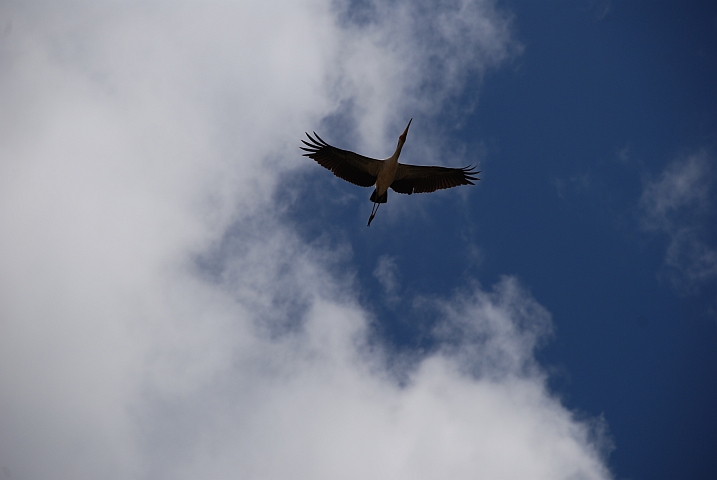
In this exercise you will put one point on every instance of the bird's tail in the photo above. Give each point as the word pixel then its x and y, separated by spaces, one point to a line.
pixel 376 199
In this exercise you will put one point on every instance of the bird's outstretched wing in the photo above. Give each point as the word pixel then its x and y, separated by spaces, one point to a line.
pixel 350 166
pixel 423 179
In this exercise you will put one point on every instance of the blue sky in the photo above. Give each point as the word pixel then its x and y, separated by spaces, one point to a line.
pixel 183 295
pixel 595 110
pixel 603 99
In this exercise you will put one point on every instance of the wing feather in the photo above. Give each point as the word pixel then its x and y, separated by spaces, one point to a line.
pixel 349 166
pixel 423 179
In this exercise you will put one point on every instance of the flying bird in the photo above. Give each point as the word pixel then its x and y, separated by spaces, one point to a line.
pixel 385 174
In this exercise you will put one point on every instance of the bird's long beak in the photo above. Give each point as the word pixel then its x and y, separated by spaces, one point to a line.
pixel 405 132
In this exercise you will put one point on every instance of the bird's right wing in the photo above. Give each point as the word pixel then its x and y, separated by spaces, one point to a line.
pixel 350 166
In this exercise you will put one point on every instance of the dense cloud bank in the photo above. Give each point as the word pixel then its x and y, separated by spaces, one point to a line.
pixel 157 319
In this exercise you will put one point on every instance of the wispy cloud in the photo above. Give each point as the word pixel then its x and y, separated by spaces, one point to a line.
pixel 158 320
pixel 578 183
pixel 680 203
pixel 406 59
pixel 386 272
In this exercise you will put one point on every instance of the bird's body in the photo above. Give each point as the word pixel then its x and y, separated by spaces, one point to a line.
pixel 385 177
pixel 385 174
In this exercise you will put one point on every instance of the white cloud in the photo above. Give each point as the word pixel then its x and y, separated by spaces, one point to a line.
pixel 136 139
pixel 679 204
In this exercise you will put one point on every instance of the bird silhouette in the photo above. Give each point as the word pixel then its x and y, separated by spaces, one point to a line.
pixel 384 174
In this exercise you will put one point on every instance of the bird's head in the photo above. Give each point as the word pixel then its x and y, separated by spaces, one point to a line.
pixel 402 138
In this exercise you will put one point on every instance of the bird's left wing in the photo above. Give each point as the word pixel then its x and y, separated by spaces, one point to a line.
pixel 350 166
pixel 423 179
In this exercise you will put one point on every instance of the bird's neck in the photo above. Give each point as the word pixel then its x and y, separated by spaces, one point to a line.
pixel 394 158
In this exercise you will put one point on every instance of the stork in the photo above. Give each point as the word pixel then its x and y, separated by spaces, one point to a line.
pixel 385 174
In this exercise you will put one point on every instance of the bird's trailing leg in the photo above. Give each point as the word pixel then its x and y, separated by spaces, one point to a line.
pixel 377 200
pixel 373 213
